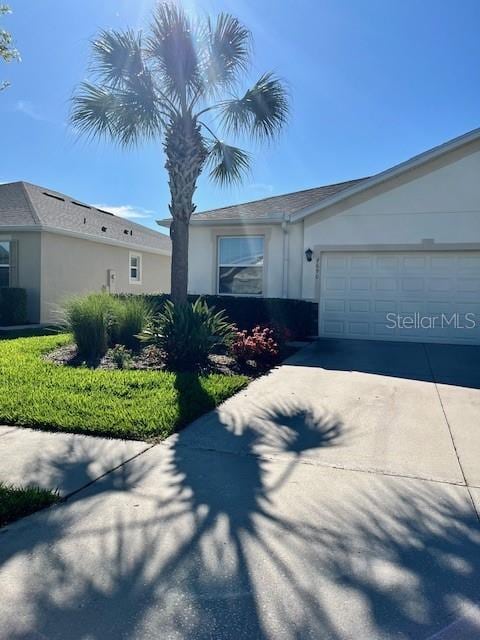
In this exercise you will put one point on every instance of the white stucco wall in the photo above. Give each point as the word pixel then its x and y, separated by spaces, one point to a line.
pixel 75 266
pixel 203 256
pixel 439 202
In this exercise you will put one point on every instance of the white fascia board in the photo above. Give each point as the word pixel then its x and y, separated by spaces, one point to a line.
pixel 393 172
pixel 228 222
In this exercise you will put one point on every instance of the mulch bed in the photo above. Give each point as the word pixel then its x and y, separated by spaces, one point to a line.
pixel 149 358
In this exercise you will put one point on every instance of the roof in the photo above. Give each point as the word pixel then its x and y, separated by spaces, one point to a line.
pixel 274 207
pixel 27 205
pixel 301 204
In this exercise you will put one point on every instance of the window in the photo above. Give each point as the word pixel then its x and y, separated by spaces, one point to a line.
pixel 135 274
pixel 5 254
pixel 240 265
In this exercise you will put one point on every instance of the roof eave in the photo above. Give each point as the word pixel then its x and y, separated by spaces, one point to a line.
pixel 86 236
pixel 228 222
pixel 397 170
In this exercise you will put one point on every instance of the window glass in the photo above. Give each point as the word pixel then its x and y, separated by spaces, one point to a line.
pixel 4 253
pixel 4 264
pixel 240 268
pixel 135 268
pixel 241 251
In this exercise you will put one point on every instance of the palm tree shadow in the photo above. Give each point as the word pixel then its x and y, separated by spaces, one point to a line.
pixel 220 548
pixel 236 490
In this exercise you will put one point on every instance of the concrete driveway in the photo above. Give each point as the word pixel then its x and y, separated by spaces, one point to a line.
pixel 332 499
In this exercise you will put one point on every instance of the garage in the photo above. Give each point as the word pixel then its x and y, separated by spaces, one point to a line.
pixel 422 296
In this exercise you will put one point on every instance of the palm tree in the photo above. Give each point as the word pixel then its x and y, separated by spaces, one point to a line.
pixel 177 85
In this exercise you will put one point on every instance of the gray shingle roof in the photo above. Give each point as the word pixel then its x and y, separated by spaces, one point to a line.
pixel 286 204
pixel 24 204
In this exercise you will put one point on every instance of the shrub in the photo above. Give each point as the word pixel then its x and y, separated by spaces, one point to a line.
pixel 121 356
pixel 13 306
pixel 299 317
pixel 259 345
pixel 92 319
pixel 188 334
pixel 134 316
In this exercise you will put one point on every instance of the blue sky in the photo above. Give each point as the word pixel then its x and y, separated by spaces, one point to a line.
pixel 373 82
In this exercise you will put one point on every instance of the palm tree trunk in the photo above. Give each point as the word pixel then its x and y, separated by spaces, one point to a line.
pixel 186 155
pixel 179 267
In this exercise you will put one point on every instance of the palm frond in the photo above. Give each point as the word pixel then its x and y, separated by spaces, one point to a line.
pixel 172 46
pixel 228 46
pixel 228 164
pixel 126 116
pixel 137 118
pixel 262 111
pixel 93 110
pixel 117 57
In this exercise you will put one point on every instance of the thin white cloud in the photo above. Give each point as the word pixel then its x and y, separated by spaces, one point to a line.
pixel 127 211
pixel 29 110
pixel 261 187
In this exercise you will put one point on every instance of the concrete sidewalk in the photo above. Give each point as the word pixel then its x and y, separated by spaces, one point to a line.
pixel 64 461
pixel 331 499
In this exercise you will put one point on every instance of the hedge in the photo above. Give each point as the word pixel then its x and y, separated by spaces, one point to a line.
pixel 13 306
pixel 300 317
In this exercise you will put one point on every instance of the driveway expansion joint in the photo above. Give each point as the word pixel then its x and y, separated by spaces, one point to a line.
pixel 106 473
pixel 316 463
pixel 474 506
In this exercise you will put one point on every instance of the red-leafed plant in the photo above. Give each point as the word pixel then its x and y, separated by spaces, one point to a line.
pixel 259 346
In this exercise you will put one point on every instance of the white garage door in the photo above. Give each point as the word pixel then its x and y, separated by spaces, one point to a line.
pixel 415 296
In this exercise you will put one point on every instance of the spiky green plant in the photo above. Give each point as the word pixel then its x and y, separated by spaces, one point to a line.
pixel 188 333
pixel 178 84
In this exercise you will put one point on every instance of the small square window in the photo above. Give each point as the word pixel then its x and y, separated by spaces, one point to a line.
pixel 135 273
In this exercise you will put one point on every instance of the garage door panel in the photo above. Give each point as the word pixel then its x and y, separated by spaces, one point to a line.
pixel 336 263
pixel 413 284
pixel 359 290
pixel 411 306
pixel 385 306
pixel 361 263
pixel 381 331
pixel 358 306
pixel 360 284
pixel 334 327
pixel 464 307
pixel 385 263
pixel 359 329
pixel 468 285
pixel 413 263
pixel 331 304
pixel 336 284
pixel 440 284
pixel 386 284
pixel 469 263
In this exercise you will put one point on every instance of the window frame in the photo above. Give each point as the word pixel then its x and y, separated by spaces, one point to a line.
pixel 8 266
pixel 218 265
pixel 138 256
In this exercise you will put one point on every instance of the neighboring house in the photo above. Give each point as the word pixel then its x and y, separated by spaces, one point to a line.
pixel 404 242
pixel 55 246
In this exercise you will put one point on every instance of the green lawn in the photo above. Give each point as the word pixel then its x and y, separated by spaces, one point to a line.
pixel 16 502
pixel 122 404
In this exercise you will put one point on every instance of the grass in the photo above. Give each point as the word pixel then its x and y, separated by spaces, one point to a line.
pixel 16 502
pixel 123 404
